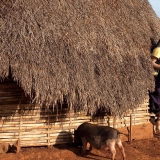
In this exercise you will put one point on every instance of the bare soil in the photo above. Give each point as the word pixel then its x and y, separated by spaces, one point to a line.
pixel 148 149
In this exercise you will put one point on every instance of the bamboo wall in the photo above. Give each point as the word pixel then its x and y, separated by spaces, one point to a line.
pixel 37 126
pixel 36 129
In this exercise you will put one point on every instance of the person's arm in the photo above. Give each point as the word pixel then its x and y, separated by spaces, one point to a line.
pixel 155 65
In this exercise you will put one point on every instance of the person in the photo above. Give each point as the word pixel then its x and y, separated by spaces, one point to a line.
pixel 155 96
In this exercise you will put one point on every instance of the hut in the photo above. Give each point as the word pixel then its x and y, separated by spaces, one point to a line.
pixel 66 62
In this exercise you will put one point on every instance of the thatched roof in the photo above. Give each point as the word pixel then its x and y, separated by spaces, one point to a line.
pixel 96 53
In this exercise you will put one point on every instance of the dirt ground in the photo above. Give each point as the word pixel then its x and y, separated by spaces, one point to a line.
pixel 148 149
pixel 138 149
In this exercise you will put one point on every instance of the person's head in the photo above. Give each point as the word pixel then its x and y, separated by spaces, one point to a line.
pixel 154 44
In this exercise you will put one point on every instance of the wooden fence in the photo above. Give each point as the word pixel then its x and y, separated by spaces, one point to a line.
pixel 39 127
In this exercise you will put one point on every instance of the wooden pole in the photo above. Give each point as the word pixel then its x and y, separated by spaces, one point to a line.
pixel 130 137
pixel 114 121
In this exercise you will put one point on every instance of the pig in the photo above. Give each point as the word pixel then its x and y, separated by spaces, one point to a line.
pixel 16 146
pixel 98 136
pixel 5 147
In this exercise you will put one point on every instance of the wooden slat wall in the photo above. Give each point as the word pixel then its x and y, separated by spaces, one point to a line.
pixel 36 126
pixel 38 130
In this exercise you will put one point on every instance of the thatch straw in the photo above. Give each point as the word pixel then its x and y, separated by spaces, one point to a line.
pixel 95 52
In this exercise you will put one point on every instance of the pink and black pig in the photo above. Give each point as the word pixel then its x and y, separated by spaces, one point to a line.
pixel 98 137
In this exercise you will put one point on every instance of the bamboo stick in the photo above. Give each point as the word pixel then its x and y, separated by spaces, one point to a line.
pixel 130 137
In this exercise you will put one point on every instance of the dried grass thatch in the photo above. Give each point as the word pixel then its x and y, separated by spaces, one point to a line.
pixel 96 53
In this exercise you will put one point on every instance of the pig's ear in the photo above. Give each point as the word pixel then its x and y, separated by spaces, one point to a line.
pixel 75 131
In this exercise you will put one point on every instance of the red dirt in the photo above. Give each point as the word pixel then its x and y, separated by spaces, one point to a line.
pixel 144 149
pixel 147 149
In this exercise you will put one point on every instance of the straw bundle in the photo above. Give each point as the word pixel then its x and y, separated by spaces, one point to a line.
pixel 96 54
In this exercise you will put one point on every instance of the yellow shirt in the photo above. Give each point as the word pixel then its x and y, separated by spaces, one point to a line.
pixel 156 52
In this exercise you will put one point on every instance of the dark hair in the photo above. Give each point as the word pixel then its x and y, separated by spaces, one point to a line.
pixel 158 43
pixel 154 44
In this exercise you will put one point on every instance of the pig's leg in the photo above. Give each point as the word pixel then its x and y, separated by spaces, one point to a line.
pixel 90 147
pixel 111 146
pixel 84 142
pixel 119 143
pixel 157 127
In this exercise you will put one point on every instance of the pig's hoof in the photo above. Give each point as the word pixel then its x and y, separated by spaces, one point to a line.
pixel 83 153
